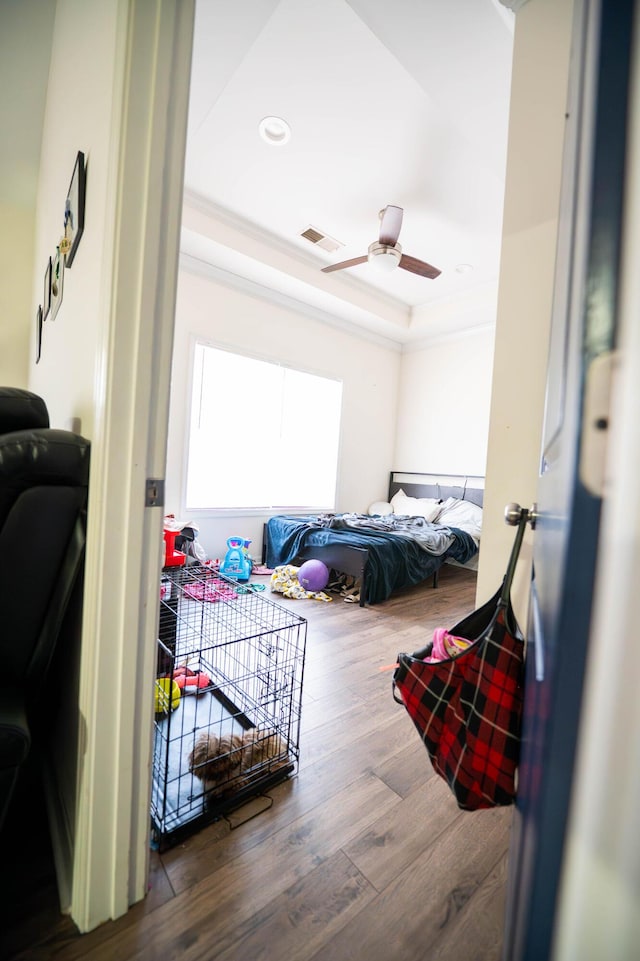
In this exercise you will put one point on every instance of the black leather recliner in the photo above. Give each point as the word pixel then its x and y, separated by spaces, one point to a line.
pixel 44 480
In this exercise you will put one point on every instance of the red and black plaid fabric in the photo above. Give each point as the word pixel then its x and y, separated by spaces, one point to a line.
pixel 468 709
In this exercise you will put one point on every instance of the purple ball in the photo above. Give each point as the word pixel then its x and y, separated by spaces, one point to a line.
pixel 313 576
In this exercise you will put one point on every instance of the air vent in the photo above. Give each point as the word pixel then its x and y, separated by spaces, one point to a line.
pixel 318 239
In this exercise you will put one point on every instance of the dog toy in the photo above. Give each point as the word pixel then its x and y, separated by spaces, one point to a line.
pixel 185 678
pixel 167 695
pixel 200 681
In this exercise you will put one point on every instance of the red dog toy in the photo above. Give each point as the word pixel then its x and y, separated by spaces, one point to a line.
pixel 185 678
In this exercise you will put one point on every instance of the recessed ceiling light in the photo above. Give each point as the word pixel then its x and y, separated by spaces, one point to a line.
pixel 275 131
pixel 464 268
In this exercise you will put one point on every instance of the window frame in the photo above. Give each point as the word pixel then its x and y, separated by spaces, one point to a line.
pixel 260 511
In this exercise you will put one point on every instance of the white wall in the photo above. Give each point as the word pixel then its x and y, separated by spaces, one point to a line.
pixel 532 196
pixel 443 407
pixel 369 373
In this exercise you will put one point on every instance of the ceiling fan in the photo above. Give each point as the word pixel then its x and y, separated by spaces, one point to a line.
pixel 386 252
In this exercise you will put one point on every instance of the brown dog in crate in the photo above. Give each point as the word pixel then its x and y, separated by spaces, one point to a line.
pixel 217 760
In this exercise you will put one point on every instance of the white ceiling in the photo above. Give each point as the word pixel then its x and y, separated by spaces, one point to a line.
pixel 401 103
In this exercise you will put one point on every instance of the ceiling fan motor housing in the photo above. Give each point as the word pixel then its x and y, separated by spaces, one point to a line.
pixel 384 256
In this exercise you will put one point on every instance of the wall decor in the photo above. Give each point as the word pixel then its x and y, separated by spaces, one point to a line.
pixel 57 279
pixel 46 303
pixel 38 334
pixel 74 211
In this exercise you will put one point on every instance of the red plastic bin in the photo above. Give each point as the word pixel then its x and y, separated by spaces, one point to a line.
pixel 172 557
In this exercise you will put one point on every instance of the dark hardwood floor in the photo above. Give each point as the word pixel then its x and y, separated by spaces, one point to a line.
pixel 363 855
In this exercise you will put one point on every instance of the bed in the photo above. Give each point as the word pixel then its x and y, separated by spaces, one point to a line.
pixel 426 522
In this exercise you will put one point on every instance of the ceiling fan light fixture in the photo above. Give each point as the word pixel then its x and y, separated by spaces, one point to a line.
pixel 386 252
pixel 385 258
pixel 275 131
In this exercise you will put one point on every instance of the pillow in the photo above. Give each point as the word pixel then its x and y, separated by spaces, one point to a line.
pixel 427 507
pixel 380 507
pixel 398 496
pixel 463 514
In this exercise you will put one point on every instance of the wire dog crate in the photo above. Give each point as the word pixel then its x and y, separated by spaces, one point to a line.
pixel 228 698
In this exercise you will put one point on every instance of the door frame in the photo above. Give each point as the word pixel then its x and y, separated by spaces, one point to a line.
pixel 111 843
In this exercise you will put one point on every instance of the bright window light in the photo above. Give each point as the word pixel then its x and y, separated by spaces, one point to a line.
pixel 261 435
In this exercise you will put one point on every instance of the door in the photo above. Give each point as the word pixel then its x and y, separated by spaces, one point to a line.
pixel 583 337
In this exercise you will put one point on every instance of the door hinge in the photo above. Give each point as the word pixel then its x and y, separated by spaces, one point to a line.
pixel 154 492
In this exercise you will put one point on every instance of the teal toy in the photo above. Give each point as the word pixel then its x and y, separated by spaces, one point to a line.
pixel 237 563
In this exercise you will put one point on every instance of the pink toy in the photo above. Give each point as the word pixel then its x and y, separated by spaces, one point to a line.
pixel 446 646
pixel 198 682
pixel 214 590
pixel 185 678
pixel 183 669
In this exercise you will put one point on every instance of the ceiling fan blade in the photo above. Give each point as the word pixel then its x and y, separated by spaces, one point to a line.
pixel 419 267
pixel 345 263
pixel 390 225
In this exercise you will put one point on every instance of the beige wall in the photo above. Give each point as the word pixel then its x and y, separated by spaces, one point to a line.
pixel 443 409
pixel 26 28
pixel 536 130
pixel 17 316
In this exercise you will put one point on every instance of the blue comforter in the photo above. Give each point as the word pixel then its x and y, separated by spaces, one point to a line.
pixel 398 556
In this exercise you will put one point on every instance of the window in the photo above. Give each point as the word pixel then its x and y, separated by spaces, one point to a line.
pixel 262 435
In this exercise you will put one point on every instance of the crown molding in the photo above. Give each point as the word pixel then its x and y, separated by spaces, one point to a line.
pixel 513 4
pixel 444 337
pixel 204 205
pixel 204 269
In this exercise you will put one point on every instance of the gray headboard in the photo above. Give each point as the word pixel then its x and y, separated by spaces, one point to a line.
pixel 468 488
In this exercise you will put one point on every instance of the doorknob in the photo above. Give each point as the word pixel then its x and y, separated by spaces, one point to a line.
pixel 513 514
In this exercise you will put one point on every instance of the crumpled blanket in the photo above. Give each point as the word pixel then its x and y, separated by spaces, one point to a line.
pixel 284 580
pixel 431 537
